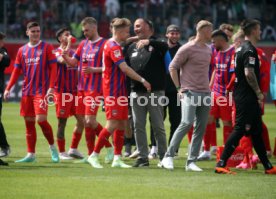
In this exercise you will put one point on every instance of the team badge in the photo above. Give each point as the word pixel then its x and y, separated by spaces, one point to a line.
pixel 252 60
pixel 117 53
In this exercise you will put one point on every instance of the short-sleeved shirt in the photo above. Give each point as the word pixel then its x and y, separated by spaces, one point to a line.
pixel 222 64
pixel 114 80
pixel 89 54
pixel 36 62
pixel 67 76
pixel 246 57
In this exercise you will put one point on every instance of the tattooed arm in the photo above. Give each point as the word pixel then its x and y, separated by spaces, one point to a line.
pixel 252 81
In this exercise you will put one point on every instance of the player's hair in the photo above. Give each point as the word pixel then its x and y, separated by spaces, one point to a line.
pixel 89 20
pixel 118 23
pixel 149 23
pixel 32 24
pixel 60 31
pixel 220 33
pixel 238 35
pixel 226 26
pixel 248 25
pixel 202 24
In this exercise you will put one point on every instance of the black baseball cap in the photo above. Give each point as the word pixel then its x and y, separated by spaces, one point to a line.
pixel 2 35
pixel 173 27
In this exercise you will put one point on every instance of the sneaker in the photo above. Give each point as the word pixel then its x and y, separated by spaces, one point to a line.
pixel 213 150
pixel 4 151
pixel 54 154
pixel 74 153
pixel 167 163
pixel 120 164
pixel 134 154
pixel 109 155
pixel 82 161
pixel 26 159
pixel 2 163
pixel 271 171
pixel 64 156
pixel 205 155
pixel 192 167
pixel 243 165
pixel 141 162
pixel 254 160
pixel 152 156
pixel 127 150
pixel 126 154
pixel 94 162
pixel 224 170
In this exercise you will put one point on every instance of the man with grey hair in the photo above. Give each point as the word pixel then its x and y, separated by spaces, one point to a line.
pixel 193 60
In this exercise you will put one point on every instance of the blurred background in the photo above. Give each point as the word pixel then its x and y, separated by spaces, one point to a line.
pixel 52 14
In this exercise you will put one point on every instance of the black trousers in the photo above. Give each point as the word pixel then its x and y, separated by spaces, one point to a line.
pixel 174 110
pixel 249 123
pixel 3 138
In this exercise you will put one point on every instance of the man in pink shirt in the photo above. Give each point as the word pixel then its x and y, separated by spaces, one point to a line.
pixel 193 60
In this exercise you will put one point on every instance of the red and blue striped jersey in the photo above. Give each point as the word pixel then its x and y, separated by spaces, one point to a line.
pixel 114 80
pixel 222 64
pixel 89 54
pixel 264 71
pixel 67 76
pixel 38 64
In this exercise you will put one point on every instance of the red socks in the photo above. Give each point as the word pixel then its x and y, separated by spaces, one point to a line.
pixel 118 142
pixel 190 134
pixel 75 140
pixel 47 131
pixel 30 136
pixel 207 137
pixel 98 131
pixel 104 135
pixel 227 130
pixel 265 136
pixel 90 136
pixel 61 145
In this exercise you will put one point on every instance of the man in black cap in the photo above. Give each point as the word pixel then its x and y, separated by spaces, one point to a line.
pixel 173 37
pixel 4 62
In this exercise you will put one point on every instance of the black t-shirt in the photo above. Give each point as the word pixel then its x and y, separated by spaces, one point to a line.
pixel 246 57
pixel 170 87
pixel 5 62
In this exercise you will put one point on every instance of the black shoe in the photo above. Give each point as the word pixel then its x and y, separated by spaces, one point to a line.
pixel 141 162
pixel 4 151
pixel 2 163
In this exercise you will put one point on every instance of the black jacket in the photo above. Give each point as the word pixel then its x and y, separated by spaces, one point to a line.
pixel 149 62
pixel 5 62
pixel 170 87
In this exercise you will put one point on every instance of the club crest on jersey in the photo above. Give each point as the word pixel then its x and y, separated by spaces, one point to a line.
pixel 227 59
pixel 252 60
pixel 39 52
pixel 117 53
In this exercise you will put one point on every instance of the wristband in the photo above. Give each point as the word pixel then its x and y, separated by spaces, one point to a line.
pixel 178 88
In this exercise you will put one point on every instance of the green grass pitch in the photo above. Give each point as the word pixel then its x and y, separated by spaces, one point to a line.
pixel 67 180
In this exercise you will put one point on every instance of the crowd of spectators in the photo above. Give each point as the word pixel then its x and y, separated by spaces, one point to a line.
pixel 185 13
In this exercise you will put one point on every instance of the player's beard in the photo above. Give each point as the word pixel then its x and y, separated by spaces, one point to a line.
pixel 172 41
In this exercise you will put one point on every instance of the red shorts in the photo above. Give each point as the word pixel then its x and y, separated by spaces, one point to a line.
pixel 221 108
pixel 87 103
pixel 116 108
pixel 31 106
pixel 65 105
